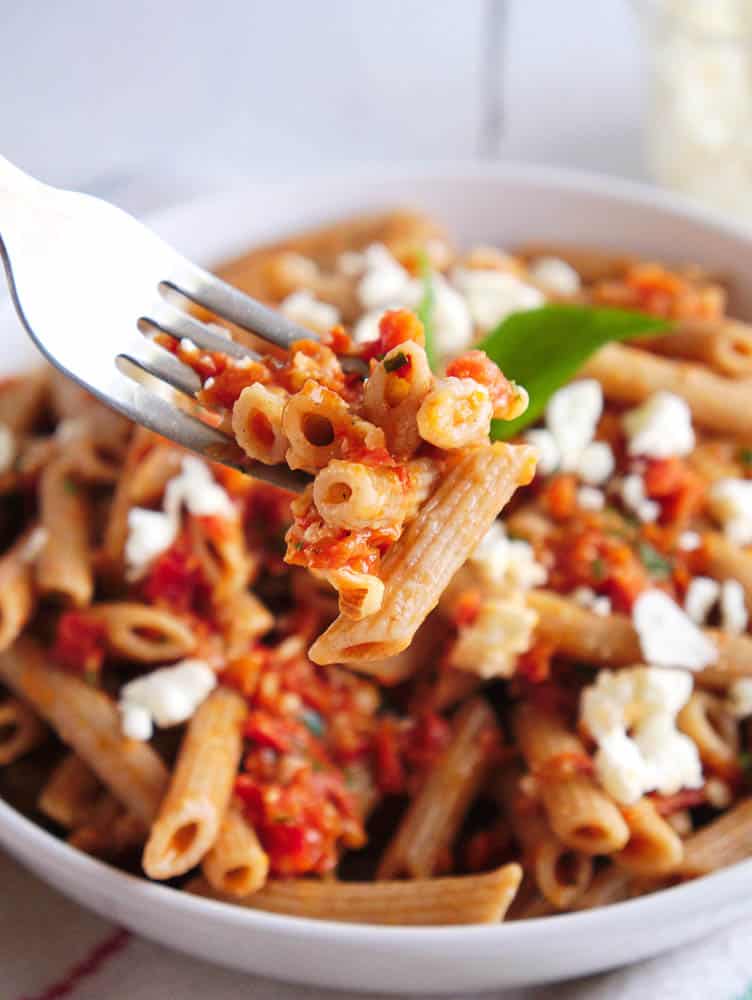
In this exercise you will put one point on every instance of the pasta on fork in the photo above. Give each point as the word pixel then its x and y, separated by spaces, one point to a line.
pixel 379 700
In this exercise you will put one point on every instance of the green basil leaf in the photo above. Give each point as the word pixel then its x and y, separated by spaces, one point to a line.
pixel 425 310
pixel 541 349
pixel 656 564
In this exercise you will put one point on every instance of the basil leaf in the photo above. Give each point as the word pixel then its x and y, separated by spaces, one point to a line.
pixel 425 310
pixel 542 349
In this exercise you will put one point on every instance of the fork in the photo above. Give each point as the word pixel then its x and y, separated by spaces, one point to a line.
pixel 92 286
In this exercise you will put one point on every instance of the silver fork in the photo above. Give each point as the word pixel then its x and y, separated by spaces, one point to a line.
pixel 92 285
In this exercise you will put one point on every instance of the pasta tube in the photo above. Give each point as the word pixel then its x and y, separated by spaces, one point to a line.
pixel 21 731
pixel 70 792
pixel 64 566
pixel 653 848
pixel 725 346
pixel 723 842
pixel 237 864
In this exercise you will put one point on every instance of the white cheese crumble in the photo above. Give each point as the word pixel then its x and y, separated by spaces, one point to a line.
pixel 739 700
pixel 591 498
pixel 660 427
pixel 187 346
pixel 7 448
pixel 490 645
pixel 303 307
pixel 730 502
pixel 689 541
pixel 34 544
pixel 586 597
pixel 165 697
pixel 501 562
pixel 734 615
pixel 556 275
pixel 635 499
pixel 668 636
pixel 571 419
pixel 493 295
pixel 151 532
pixel 701 597
pixel 656 756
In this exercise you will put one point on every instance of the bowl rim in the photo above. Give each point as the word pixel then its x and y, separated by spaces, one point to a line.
pixel 24 839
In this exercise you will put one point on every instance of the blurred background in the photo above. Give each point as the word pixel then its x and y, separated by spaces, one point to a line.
pixel 148 103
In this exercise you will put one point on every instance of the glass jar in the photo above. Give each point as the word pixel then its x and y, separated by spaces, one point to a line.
pixel 699 116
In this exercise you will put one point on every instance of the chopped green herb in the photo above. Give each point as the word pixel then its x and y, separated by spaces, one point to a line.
pixel 312 721
pixel 425 310
pixel 396 362
pixel 745 762
pixel 655 563
pixel 70 487
pixel 541 349
pixel 745 457
pixel 598 569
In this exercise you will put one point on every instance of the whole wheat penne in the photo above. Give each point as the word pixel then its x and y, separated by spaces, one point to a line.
pixel 560 873
pixel 200 787
pixel 143 633
pixel 398 668
pixel 653 848
pixel 629 375
pixel 21 731
pixel 64 566
pixel 612 640
pixel 16 591
pixel 610 885
pixel 70 792
pixel 432 548
pixel 702 720
pixel 591 264
pixel 222 554
pixel 724 841
pixel 88 722
pixel 243 618
pixel 726 561
pixel 237 864
pixel 435 814
pixel 723 345
pixel 460 899
pixel 108 830
pixel 580 814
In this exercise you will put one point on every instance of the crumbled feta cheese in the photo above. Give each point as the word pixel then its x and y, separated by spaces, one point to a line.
pixel 702 594
pixel 384 281
pixel 151 532
pixel 660 427
pixel 596 463
pixel 502 563
pixel 734 616
pixel 303 307
pixel 586 597
pixel 718 793
pixel 739 700
pixel 7 448
pixel 34 544
pixel 668 637
pixel 590 498
pixel 493 295
pixel 689 541
pixel 556 275
pixel 730 502
pixel 187 346
pixel 490 645
pixel 634 498
pixel 548 452
pixel 572 416
pixel 657 756
pixel 452 322
pixel 165 697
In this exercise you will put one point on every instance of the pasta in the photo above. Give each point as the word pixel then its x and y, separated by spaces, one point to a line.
pixel 454 680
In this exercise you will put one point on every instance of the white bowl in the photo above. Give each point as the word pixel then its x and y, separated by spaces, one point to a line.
pixel 499 205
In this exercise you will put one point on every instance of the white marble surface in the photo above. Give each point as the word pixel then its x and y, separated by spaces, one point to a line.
pixel 160 99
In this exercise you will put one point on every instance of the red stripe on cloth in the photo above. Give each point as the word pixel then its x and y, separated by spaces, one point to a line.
pixel 93 962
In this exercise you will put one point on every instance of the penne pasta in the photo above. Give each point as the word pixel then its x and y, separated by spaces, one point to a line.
pixel 70 792
pixel 464 899
pixel 724 841
pixel 726 561
pixel 448 526
pixel 143 633
pixel 21 731
pixel 629 375
pixel 190 816
pixel 713 731
pixel 236 864
pixel 88 722
pixel 724 346
pixel 580 814
pixel 435 814
pixel 22 400
pixel 17 596
pixel 654 849
pixel 64 566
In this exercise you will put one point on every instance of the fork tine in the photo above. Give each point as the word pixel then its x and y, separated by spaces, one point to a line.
pixel 178 324
pixel 151 358
pixel 235 306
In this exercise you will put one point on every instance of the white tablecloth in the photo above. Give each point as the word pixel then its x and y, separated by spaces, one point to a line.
pixel 50 948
